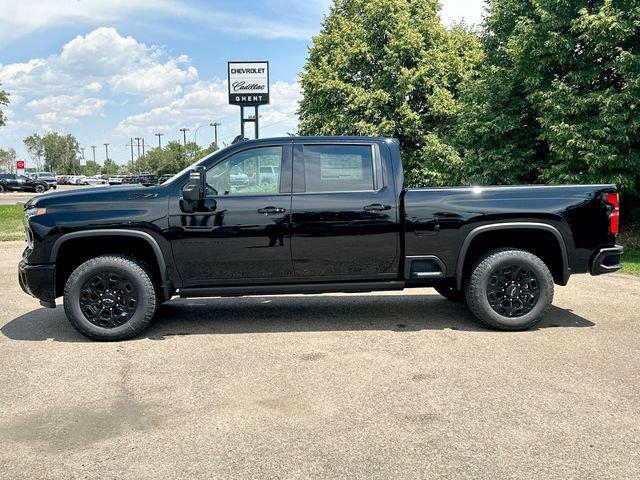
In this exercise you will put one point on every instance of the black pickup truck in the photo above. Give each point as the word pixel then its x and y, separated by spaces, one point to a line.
pixel 332 215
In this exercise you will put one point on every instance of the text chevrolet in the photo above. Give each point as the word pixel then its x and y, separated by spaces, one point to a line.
pixel 333 215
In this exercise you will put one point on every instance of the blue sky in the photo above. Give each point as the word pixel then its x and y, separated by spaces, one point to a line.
pixel 108 70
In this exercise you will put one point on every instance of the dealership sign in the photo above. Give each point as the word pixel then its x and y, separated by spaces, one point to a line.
pixel 19 164
pixel 248 83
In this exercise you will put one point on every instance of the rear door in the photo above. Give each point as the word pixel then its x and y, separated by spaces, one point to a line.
pixel 344 213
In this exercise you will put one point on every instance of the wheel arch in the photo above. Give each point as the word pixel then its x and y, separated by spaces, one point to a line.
pixel 160 263
pixel 562 272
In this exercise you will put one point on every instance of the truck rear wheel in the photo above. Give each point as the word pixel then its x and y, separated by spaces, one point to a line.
pixel 110 298
pixel 509 289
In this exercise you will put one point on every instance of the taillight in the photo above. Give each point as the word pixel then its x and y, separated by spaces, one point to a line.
pixel 613 199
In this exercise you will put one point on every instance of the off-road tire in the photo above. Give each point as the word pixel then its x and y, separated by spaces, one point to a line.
pixel 478 282
pixel 128 268
pixel 450 293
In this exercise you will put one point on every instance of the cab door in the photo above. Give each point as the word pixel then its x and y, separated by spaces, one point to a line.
pixel 344 212
pixel 246 236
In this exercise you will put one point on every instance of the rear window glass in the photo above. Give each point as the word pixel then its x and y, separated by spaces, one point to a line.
pixel 338 168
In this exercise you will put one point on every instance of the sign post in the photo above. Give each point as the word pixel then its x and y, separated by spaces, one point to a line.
pixel 20 167
pixel 248 87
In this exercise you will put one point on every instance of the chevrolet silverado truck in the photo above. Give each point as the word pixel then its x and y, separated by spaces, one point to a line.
pixel 334 216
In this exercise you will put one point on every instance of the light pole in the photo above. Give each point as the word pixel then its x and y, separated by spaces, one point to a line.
pixel 138 140
pixel 215 126
pixel 184 136
pixel 93 147
pixel 159 135
pixel 106 152
pixel 82 150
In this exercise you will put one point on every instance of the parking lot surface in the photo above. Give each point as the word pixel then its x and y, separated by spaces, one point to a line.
pixel 398 385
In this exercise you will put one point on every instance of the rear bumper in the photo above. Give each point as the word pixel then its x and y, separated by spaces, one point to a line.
pixel 607 260
pixel 38 281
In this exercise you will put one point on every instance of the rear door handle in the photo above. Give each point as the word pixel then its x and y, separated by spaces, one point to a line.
pixel 376 207
pixel 268 210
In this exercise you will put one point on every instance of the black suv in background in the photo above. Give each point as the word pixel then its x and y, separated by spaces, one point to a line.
pixel 11 182
pixel 48 177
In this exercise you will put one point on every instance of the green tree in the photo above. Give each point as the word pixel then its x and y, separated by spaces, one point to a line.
pixel 61 153
pixel 8 160
pixel 4 100
pixel 172 158
pixel 389 67
pixel 35 149
pixel 558 96
pixel 110 167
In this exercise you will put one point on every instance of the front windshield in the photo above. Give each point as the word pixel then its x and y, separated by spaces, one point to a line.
pixel 185 170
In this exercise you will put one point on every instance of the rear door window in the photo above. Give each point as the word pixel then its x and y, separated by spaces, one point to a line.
pixel 338 168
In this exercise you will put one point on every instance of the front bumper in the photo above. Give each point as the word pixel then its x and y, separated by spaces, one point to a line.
pixel 39 281
pixel 607 260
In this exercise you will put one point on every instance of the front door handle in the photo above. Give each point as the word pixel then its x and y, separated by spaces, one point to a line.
pixel 268 210
pixel 376 207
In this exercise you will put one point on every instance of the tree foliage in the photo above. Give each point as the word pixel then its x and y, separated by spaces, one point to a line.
pixel 389 67
pixel 4 100
pixel 558 95
pixel 8 159
pixel 35 148
pixel 171 158
pixel 61 153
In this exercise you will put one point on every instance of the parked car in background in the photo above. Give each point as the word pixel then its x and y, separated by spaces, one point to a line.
pixel 147 179
pixel 91 181
pixel 115 180
pixel 48 177
pixel 11 182
pixel 165 177
pixel 268 174
pixel 237 177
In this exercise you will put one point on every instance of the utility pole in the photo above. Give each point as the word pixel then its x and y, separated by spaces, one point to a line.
pixel 184 136
pixel 82 149
pixel 106 151
pixel 138 140
pixel 215 126
pixel 143 146
pixel 131 145
pixel 93 147
pixel 159 135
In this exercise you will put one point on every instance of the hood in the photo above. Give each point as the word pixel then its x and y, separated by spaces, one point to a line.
pixel 93 195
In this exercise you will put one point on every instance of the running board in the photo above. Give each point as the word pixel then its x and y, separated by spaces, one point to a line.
pixel 309 288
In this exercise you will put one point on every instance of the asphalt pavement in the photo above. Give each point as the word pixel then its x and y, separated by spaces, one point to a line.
pixel 371 386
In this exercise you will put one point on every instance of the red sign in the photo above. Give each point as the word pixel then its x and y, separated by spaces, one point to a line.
pixel 20 164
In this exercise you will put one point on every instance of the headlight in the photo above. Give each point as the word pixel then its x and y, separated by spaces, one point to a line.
pixel 34 211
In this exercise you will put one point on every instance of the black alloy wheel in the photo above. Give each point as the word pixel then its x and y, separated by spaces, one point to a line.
pixel 509 289
pixel 513 291
pixel 108 300
pixel 111 297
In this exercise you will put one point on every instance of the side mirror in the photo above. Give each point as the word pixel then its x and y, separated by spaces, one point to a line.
pixel 195 189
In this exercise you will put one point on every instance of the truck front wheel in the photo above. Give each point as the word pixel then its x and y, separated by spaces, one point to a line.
pixel 509 289
pixel 110 298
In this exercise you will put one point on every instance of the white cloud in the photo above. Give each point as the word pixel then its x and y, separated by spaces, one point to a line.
pixel 153 79
pixel 28 16
pixel 101 56
pixel 64 109
pixel 206 101
pixel 31 15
